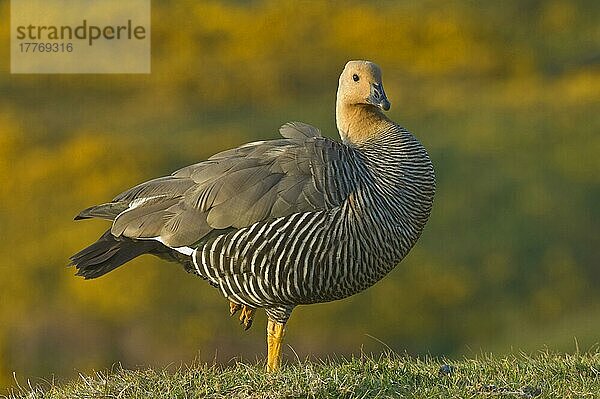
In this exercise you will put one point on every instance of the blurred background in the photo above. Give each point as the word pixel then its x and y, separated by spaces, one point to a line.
pixel 504 94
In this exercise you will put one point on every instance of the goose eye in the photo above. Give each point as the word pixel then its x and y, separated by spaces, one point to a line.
pixel 355 77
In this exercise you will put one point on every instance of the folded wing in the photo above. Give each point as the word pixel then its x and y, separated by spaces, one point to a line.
pixel 301 172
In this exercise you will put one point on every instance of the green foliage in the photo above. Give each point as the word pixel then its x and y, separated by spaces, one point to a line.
pixel 503 94
pixel 547 375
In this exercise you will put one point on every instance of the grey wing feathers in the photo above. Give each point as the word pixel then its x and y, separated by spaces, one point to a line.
pixel 104 211
pixel 232 189
pixel 299 130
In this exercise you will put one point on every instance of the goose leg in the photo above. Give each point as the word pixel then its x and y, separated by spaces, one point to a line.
pixel 275 332
pixel 233 308
pixel 246 316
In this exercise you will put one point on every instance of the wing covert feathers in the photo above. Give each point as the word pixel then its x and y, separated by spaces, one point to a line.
pixel 299 130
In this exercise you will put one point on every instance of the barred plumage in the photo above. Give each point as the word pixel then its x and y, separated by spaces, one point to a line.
pixel 329 254
pixel 275 224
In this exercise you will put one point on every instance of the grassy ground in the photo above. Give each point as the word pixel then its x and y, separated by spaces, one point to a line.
pixel 545 375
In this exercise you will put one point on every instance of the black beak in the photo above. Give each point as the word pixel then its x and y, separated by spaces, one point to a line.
pixel 378 97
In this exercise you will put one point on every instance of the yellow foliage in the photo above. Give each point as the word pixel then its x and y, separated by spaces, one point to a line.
pixel 557 15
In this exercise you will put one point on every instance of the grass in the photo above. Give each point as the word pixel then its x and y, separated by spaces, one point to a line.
pixel 545 375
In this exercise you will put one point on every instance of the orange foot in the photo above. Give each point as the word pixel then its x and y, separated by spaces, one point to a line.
pixel 246 315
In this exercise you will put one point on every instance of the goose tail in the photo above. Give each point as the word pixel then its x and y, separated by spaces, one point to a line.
pixel 107 254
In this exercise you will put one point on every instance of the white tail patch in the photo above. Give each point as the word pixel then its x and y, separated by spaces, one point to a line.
pixel 182 250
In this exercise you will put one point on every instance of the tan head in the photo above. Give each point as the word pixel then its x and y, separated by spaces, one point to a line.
pixel 360 100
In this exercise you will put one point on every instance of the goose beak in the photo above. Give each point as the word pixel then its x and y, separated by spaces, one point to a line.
pixel 378 97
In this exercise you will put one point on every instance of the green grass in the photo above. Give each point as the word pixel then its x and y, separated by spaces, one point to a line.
pixel 545 375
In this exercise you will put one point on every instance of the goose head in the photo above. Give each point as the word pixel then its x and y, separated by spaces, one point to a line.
pixel 360 97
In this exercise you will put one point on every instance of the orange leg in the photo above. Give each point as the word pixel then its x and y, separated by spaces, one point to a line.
pixel 246 315
pixel 233 308
pixel 275 333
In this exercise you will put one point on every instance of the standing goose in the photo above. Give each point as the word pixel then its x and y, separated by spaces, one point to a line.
pixel 274 224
